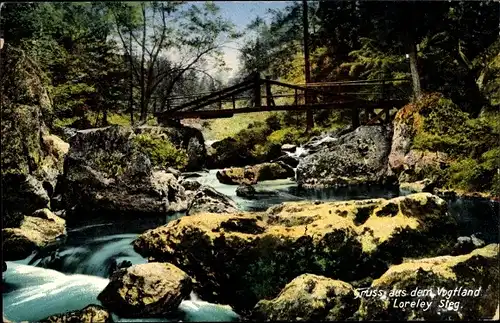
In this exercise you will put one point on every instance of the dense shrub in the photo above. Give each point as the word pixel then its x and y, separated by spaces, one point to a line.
pixel 160 151
pixel 441 126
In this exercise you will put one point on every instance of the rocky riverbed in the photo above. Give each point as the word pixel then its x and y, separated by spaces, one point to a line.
pixel 116 238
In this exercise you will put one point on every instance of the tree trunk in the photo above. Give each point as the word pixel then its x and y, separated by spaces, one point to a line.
pixel 414 70
pixel 309 113
pixel 144 108
pixel 412 53
pixel 105 118
pixel 131 81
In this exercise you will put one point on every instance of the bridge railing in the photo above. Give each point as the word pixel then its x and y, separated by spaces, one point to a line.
pixel 257 92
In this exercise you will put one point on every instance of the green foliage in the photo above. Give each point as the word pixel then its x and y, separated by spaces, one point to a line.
pixel 112 164
pixel 256 133
pixel 119 119
pixel 287 135
pixel 160 151
pixel 447 129
pixel 476 174
pixel 471 143
pixel 370 62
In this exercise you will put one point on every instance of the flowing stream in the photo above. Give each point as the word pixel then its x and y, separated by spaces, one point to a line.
pixel 71 278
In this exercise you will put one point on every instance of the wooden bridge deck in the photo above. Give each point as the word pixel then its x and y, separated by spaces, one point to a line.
pixel 352 95
pixel 228 113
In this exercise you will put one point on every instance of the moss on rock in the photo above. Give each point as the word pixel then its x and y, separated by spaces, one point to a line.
pixel 91 313
pixel 252 174
pixel 241 258
pixel 146 290
pixel 477 270
pixel 310 298
pixel 36 232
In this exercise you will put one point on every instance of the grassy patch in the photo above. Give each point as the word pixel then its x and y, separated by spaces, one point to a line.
pixel 218 129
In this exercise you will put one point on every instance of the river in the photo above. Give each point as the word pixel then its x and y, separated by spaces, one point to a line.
pixel 42 285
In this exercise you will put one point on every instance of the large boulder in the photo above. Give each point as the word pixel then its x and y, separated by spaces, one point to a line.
pixel 474 275
pixel 288 160
pixel 357 157
pixel 249 192
pixel 41 230
pixel 253 174
pixel 22 194
pixel 241 258
pixel 310 298
pixel 227 153
pixel 466 245
pixel 105 173
pixel 246 191
pixel 207 200
pixel 146 290
pixel 91 314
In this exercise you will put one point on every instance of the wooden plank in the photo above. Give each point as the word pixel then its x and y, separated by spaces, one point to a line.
pixel 301 107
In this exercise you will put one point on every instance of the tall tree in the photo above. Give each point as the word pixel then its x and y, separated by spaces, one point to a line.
pixel 188 36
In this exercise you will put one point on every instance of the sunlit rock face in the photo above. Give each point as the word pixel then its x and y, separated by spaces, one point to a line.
pixel 40 230
pixel 475 273
pixel 91 313
pixel 241 258
pixel 310 298
pixel 146 290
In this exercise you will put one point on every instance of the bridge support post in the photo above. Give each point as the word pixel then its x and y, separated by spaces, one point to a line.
pixel 355 118
pixel 268 91
pixel 256 92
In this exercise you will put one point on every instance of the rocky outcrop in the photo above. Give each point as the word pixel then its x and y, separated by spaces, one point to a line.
pixel 32 163
pixel 191 185
pixel 419 164
pixel 241 258
pixel 28 149
pixel 229 152
pixel 246 191
pixel 208 200
pixel 91 313
pixel 249 192
pixel 287 160
pixel 475 273
pixel 104 173
pixel 357 157
pixel 40 231
pixel 253 174
pixel 310 298
pixel 405 160
pixel 22 194
pixel 425 185
pixel 466 245
pixel 146 290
